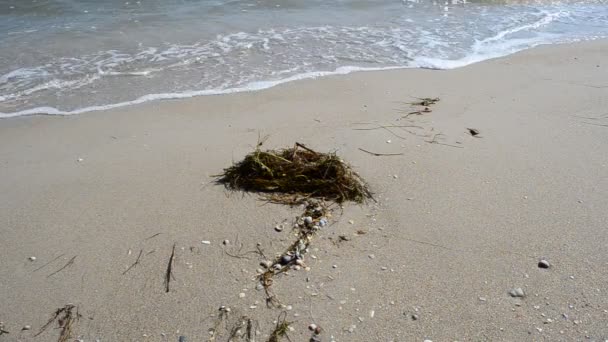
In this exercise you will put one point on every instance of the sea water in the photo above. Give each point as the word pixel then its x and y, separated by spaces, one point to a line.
pixel 73 56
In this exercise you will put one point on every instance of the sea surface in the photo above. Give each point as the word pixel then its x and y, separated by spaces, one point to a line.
pixel 73 56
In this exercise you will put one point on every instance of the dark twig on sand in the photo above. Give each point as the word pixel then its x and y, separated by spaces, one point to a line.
pixel 65 319
pixel 48 263
pixel 380 154
pixel 135 263
pixel 151 237
pixel 169 273
pixel 417 112
pixel 69 263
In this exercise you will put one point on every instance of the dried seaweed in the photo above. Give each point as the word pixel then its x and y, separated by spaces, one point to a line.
pixel 66 319
pixel 135 263
pixel 169 272
pixel 68 264
pixel 298 171
pixel 280 329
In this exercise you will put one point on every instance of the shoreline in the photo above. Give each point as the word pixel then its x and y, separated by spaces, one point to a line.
pixel 460 221
pixel 262 85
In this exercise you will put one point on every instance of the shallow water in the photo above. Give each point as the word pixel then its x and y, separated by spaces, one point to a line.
pixel 72 56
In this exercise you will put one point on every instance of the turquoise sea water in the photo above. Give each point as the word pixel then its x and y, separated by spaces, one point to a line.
pixel 72 56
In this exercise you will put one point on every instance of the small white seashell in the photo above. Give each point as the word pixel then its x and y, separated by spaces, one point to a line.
pixel 308 220
pixel 79 159
pixel 312 327
pixel 242 295
pixel 278 227
pixel 32 258
pixel 205 242
pixel 351 221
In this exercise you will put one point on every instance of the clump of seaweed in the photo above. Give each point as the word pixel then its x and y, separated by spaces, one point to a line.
pixel 292 175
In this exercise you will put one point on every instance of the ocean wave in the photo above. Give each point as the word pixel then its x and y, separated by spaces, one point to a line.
pixel 249 61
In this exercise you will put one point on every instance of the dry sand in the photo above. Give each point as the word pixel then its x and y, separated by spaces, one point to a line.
pixel 457 224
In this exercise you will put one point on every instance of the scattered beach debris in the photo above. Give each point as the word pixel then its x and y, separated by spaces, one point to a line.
pixel 294 176
pixel 543 264
pixel 2 330
pixel 26 327
pixel 435 140
pixel 517 293
pixel 66 319
pixel 182 338
pixel 68 264
pixel 417 112
pixel 222 318
pixel 32 258
pixel 424 101
pixel 280 329
pixel 135 263
pixel 380 154
pixel 169 272
pixel 298 171
pixel 316 332
pixel 474 132
pixel 307 225
pixel 244 328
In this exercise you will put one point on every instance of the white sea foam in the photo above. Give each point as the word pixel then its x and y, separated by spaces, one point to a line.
pixel 253 86
pixel 255 60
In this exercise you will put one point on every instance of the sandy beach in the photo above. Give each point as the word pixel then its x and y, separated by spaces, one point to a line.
pixel 459 222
